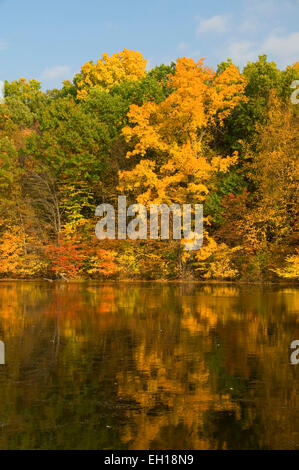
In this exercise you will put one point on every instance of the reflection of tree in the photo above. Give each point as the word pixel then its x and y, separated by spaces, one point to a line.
pixel 148 366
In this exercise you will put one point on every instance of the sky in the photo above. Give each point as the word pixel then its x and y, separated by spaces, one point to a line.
pixel 50 40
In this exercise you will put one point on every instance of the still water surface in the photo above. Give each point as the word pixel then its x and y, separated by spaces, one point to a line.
pixel 148 366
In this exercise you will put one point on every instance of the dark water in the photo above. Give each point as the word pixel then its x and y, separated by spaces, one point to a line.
pixel 148 366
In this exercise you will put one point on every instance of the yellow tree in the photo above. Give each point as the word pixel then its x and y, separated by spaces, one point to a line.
pixel 171 135
pixel 291 270
pixel 273 168
pixel 127 65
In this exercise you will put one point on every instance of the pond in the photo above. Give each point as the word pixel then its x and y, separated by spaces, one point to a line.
pixel 148 366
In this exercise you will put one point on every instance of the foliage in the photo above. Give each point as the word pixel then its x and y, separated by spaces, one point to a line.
pixel 291 270
pixel 126 65
pixel 170 135
pixel 179 133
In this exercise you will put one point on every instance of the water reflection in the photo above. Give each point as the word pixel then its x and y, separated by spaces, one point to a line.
pixel 148 366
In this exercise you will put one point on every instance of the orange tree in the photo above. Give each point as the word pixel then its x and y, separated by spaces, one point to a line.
pixel 170 139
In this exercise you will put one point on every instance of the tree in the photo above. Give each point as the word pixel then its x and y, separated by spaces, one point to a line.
pixel 291 270
pixel 171 135
pixel 69 153
pixel 262 79
pixel 273 169
pixel 126 65
pixel 174 134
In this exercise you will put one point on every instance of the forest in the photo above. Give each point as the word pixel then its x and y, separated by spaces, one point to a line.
pixel 179 133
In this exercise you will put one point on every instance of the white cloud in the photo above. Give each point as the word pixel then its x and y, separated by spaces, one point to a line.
pixel 242 51
pixel 216 24
pixel 58 71
pixel 266 7
pixel 249 25
pixel 283 49
pixel 257 17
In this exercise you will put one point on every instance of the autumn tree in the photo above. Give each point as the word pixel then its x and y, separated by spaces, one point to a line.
pixel 273 169
pixel 263 77
pixel 178 133
pixel 171 135
pixel 127 65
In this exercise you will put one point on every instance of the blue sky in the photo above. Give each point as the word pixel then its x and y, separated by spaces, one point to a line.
pixel 50 40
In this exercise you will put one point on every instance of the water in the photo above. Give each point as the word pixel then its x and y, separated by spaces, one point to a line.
pixel 148 366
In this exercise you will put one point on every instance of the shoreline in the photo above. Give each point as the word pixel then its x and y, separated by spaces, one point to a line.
pixel 145 281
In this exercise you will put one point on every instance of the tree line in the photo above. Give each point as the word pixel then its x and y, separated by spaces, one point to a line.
pixel 179 133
